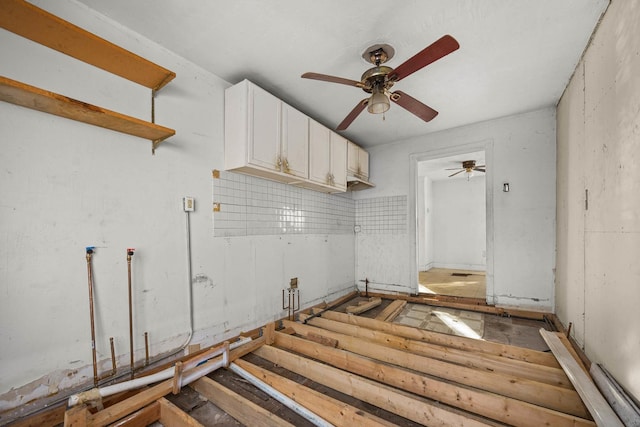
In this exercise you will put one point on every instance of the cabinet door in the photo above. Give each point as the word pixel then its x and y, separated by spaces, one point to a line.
pixel 319 153
pixel 264 129
pixel 363 163
pixel 295 142
pixel 353 152
pixel 339 161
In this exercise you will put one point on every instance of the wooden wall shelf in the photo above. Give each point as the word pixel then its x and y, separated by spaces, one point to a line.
pixel 59 105
pixel 42 27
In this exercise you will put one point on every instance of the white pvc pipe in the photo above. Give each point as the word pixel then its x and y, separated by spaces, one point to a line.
pixel 188 377
pixel 289 403
pixel 622 405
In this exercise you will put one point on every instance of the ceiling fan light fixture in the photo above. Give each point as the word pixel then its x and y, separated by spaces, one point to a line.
pixel 378 102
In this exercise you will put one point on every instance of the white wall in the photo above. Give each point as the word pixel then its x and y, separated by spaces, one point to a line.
pixel 520 150
pixel 598 151
pixel 459 224
pixel 66 185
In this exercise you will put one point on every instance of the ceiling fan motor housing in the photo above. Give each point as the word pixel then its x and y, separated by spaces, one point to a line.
pixel 376 77
pixel 469 165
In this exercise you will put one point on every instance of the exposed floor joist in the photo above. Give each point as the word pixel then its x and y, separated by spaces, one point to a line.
pixel 354 370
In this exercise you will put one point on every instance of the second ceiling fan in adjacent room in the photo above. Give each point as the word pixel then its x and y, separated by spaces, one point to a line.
pixel 468 166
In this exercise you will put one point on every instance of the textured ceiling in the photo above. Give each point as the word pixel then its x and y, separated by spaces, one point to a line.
pixel 514 56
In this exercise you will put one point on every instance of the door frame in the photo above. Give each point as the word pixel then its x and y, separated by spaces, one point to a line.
pixel 414 159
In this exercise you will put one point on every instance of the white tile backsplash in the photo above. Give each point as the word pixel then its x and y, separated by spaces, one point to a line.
pixel 251 206
pixel 382 215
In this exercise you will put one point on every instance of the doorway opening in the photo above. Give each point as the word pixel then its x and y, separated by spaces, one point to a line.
pixel 451 224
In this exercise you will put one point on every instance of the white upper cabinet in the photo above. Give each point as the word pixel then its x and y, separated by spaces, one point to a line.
pixel 338 161
pixel 264 130
pixel 264 136
pixel 295 142
pixel 357 161
pixel 319 153
pixel 327 159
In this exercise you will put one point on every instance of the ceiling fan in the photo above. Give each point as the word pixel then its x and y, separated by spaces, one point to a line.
pixel 468 166
pixel 378 80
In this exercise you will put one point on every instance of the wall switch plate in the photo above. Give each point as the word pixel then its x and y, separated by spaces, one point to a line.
pixel 293 283
pixel 188 204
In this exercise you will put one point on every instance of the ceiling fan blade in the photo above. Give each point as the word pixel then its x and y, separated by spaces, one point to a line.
pixel 454 174
pixel 331 79
pixel 479 170
pixel 414 106
pixel 353 114
pixel 441 47
pixel 452 169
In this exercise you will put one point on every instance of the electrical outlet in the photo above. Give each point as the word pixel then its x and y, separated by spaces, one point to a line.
pixel 293 283
pixel 188 204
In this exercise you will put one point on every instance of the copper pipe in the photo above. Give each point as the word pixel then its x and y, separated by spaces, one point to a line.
pixel 291 307
pixel 146 349
pixel 131 353
pixel 113 363
pixel 93 328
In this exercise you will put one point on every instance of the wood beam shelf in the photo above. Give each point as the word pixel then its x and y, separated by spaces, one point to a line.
pixel 42 27
pixel 38 99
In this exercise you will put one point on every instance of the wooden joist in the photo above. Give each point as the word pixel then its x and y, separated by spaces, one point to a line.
pixel 80 417
pixel 462 343
pixel 141 418
pixel 549 396
pixel 500 408
pixel 326 407
pixel 372 392
pixel 363 306
pixel 482 308
pixel 391 311
pixel 426 377
pixel 172 416
pixel 243 410
pixel 320 339
pixel 471 359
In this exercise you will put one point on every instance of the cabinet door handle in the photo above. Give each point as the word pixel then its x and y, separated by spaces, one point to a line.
pixel 285 166
pixel 278 163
